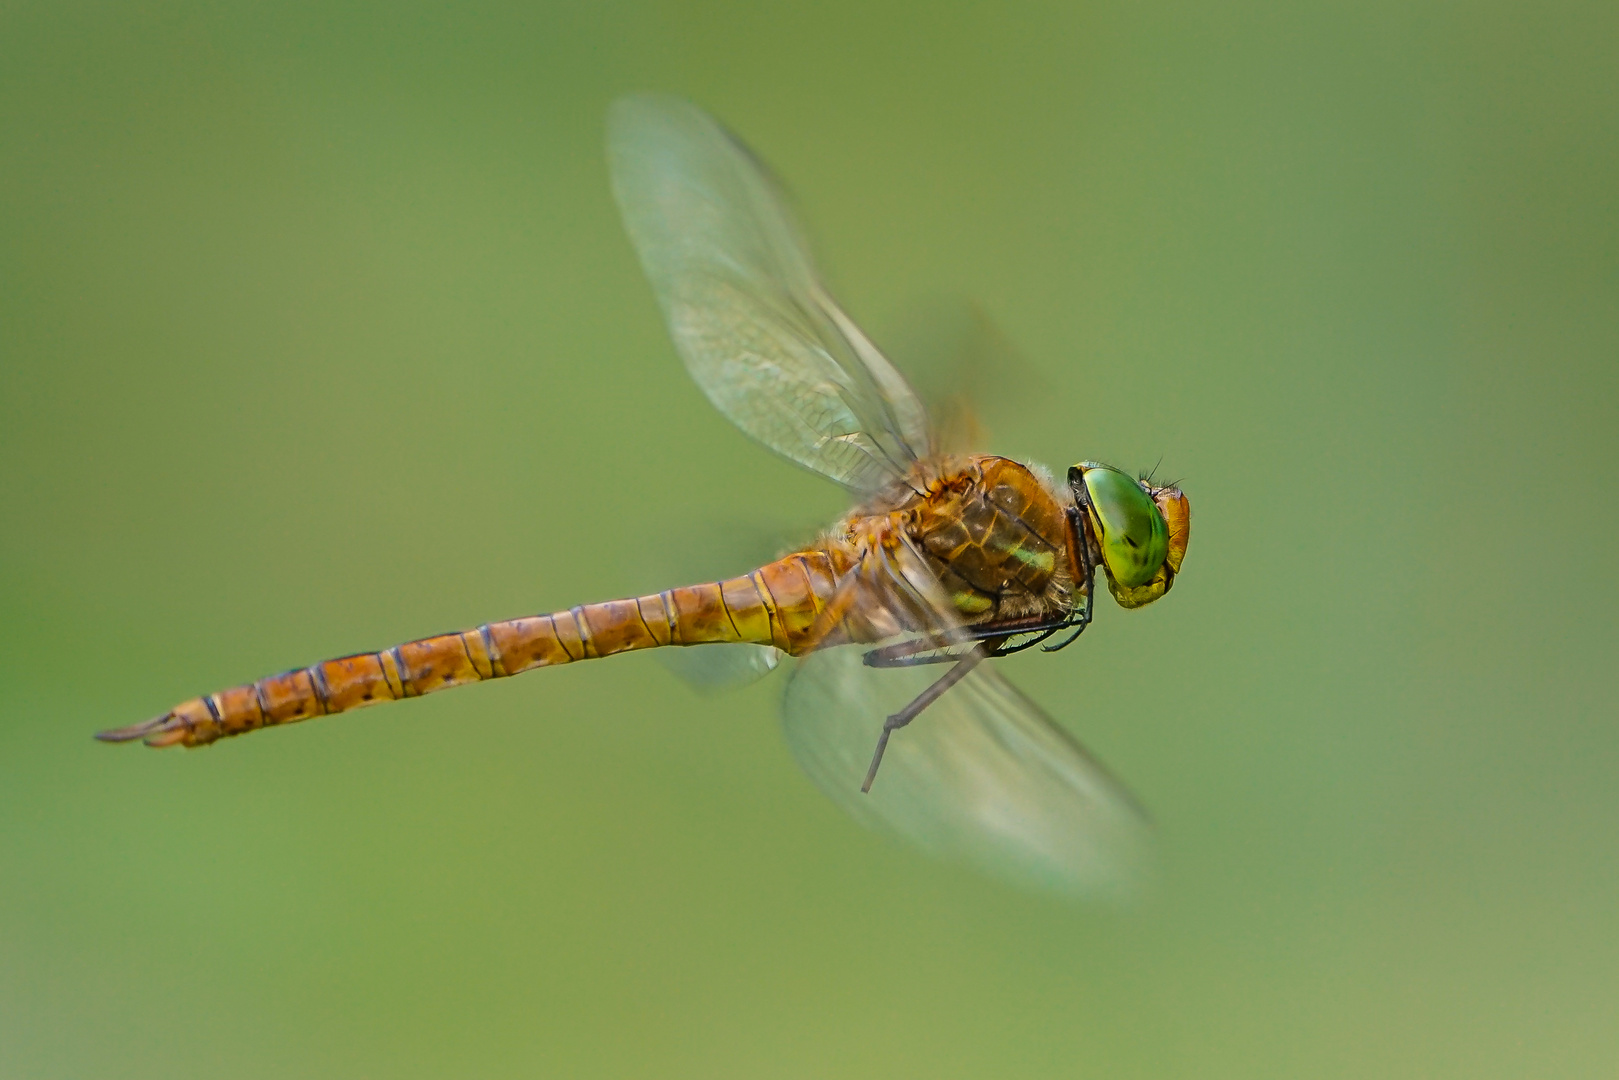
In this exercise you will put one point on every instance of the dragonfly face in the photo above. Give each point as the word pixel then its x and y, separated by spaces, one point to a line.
pixel 1142 530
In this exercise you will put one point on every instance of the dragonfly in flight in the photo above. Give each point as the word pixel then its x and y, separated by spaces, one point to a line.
pixel 945 562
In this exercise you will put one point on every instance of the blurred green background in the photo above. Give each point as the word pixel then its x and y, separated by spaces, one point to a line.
pixel 319 332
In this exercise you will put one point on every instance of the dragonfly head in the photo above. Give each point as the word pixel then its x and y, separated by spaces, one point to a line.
pixel 1141 529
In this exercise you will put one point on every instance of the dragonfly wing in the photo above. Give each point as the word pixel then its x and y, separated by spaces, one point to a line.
pixel 982 776
pixel 744 304
pixel 713 668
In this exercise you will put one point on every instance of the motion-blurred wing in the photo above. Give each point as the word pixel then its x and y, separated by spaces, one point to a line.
pixel 716 668
pixel 981 776
pixel 747 311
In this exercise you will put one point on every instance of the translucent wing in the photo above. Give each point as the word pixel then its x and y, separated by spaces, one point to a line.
pixel 713 669
pixel 982 776
pixel 744 304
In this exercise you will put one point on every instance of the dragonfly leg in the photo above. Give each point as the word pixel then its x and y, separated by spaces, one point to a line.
pixel 927 697
pixel 1003 647
pixel 930 649
pixel 1085 570
pixel 1065 642
pixel 941 648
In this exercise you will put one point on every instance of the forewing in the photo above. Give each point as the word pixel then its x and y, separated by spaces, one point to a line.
pixel 744 304
pixel 982 776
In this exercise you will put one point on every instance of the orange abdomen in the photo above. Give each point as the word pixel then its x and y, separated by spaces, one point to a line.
pixel 779 604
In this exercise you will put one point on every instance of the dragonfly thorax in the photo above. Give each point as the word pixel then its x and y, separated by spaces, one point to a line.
pixel 996 537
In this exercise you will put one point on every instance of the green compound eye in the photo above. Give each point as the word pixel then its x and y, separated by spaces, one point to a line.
pixel 1135 538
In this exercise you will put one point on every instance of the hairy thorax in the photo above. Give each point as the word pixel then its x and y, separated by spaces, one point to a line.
pixel 993 534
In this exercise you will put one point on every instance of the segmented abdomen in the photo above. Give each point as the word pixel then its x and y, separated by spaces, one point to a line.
pixel 778 604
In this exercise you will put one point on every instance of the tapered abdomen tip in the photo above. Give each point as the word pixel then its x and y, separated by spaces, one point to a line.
pixel 160 731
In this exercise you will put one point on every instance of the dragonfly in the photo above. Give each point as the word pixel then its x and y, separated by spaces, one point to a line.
pixel 947 561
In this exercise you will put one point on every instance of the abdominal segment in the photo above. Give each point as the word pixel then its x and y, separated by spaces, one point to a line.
pixel 782 604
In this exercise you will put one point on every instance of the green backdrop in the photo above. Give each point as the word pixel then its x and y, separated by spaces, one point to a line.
pixel 319 332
